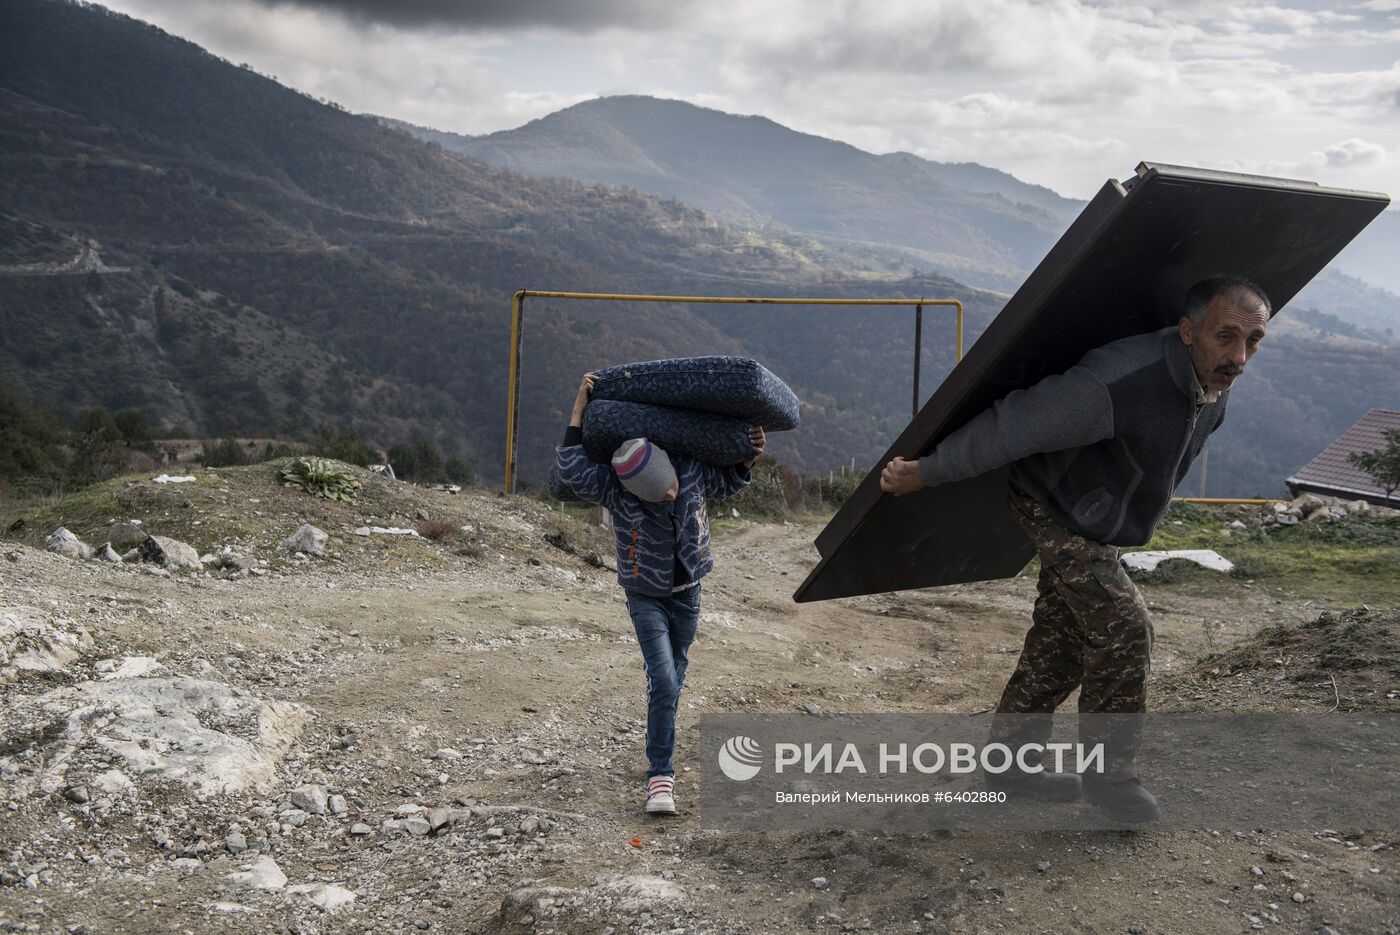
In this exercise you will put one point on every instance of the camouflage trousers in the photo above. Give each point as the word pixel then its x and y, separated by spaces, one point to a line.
pixel 1090 630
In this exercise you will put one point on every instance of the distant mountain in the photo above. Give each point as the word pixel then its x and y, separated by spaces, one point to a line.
pixel 1344 305
pixel 1372 255
pixel 978 224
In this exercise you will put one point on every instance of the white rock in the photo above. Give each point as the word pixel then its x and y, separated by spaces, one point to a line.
pixel 307 539
pixel 230 907
pixel 638 892
pixel 447 753
pixel 29 642
pixel 360 828
pixel 1238 525
pixel 326 895
pixel 65 543
pixel 262 874
pixel 186 863
pixel 106 554
pixel 338 805
pixel 170 729
pixel 295 817
pixel 135 667
pixel 114 782
pixel 386 531
pixel 180 479
pixel 1147 561
pixel 313 799
pixel 169 553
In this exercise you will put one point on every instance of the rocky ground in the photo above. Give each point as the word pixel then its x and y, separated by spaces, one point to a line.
pixel 445 734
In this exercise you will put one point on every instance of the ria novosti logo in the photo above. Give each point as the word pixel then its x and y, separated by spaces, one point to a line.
pixel 740 758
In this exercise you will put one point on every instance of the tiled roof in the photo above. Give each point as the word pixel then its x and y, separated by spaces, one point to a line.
pixel 1331 469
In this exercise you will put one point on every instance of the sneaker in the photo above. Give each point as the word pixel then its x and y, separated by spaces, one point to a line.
pixel 661 795
pixel 1123 801
pixel 1042 787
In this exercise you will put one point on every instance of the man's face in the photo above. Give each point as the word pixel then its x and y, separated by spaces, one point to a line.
pixel 1223 343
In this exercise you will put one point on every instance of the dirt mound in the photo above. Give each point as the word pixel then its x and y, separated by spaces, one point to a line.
pixel 1344 660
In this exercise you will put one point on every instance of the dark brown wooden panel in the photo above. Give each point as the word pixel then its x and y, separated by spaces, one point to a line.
pixel 1122 268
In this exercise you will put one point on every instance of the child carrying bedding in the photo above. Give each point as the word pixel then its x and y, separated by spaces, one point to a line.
pixel 658 507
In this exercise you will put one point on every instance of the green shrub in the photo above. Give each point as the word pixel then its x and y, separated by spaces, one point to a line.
pixel 322 477
pixel 223 453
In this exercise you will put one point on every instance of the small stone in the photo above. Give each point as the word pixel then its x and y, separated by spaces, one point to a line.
pixel 312 799
pixel 1299 897
pixel 78 794
pixel 360 829
pixel 262 874
pixel 1135 930
pixel 307 539
pixel 417 826
pixel 126 535
pixel 1043 866
pixel 236 842
pixel 327 896
pixel 439 818
pixel 169 553
pixel 107 554
pixel 293 816
pixel 447 753
pixel 64 542
pixel 1257 871
pixel 114 782
pixel 338 805
pixel 187 863
pixel 820 883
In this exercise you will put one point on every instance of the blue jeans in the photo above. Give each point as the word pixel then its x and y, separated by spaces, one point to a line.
pixel 665 629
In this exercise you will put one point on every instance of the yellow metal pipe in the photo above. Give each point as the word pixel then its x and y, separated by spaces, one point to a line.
pixel 730 300
pixel 517 304
pixel 1246 502
pixel 517 311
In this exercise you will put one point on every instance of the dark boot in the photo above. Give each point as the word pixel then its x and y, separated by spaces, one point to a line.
pixel 1122 801
pixel 1042 787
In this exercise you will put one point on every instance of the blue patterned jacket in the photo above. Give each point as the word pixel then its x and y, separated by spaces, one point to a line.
pixel 652 537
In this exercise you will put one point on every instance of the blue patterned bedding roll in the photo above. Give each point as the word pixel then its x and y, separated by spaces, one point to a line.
pixel 729 386
pixel 717 439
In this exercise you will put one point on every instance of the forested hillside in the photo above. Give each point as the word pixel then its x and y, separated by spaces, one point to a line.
pixel 389 260
pixel 974 223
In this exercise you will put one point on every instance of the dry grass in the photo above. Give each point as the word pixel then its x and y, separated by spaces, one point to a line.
pixel 438 530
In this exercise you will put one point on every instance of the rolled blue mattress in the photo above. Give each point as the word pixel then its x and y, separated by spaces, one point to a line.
pixel 726 386
pixel 717 439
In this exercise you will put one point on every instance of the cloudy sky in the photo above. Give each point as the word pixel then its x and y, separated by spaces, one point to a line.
pixel 1065 93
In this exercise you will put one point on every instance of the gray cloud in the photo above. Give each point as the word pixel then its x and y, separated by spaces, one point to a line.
pixel 564 15
pixel 1353 152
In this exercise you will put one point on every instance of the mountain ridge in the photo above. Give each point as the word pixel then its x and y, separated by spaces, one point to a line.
pixel 752 169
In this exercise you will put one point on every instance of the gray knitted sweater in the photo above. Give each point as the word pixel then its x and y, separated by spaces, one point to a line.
pixel 1102 445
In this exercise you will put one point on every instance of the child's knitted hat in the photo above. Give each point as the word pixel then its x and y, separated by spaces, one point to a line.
pixel 644 469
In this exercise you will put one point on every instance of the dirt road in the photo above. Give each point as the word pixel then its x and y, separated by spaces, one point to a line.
pixel 500 685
